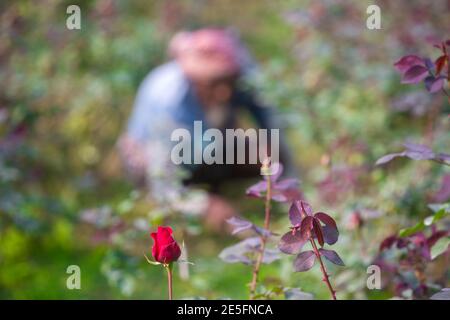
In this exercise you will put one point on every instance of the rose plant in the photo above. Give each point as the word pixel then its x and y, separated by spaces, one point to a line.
pixel 309 228
pixel 165 251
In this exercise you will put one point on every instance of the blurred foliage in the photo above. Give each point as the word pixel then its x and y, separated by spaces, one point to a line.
pixel 66 95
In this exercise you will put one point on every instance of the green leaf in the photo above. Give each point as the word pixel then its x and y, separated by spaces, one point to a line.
pixel 440 211
pixel 440 247
pixel 151 262
pixel 441 214
pixel 409 231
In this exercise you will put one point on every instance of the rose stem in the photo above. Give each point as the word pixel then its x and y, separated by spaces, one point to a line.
pixel 263 241
pixel 325 279
pixel 169 280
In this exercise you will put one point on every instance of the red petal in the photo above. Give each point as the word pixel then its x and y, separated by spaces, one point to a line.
pixel 169 253
pixel 164 236
pixel 155 245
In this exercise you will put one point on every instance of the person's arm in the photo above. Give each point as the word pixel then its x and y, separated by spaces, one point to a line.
pixel 145 149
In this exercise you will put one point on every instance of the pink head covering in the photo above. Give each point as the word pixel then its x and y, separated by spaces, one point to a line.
pixel 206 54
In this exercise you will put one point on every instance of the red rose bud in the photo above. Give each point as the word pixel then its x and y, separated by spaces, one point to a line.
pixel 165 249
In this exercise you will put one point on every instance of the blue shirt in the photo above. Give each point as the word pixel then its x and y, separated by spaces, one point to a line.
pixel 166 100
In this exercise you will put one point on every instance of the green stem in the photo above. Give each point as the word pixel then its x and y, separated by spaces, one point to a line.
pixel 169 280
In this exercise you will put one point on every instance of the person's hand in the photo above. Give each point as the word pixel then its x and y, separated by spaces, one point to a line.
pixel 217 212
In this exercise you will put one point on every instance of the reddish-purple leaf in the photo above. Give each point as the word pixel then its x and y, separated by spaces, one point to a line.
pixel 304 261
pixel 433 84
pixel 407 62
pixel 388 242
pixel 286 190
pixel 306 226
pixel 235 258
pixel 295 215
pixel 387 158
pixel 270 255
pixel 429 64
pixel 257 189
pixel 329 231
pixel 282 191
pixel 276 170
pixel 416 147
pixel 440 63
pixel 278 197
pixel 415 74
pixel 240 225
pixel 413 151
pixel 330 234
pixel 286 184
pixel 402 243
pixel 326 219
pixel 286 195
pixel 418 151
pixel 318 231
pixel 239 251
pixel 332 256
pixel 298 210
pixel 291 243
pixel 306 208
pixel 443 157
pixel 276 175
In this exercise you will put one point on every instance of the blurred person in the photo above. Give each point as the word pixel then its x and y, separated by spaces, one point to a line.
pixel 202 82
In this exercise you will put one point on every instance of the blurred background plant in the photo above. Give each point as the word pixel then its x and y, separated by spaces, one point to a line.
pixel 65 95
